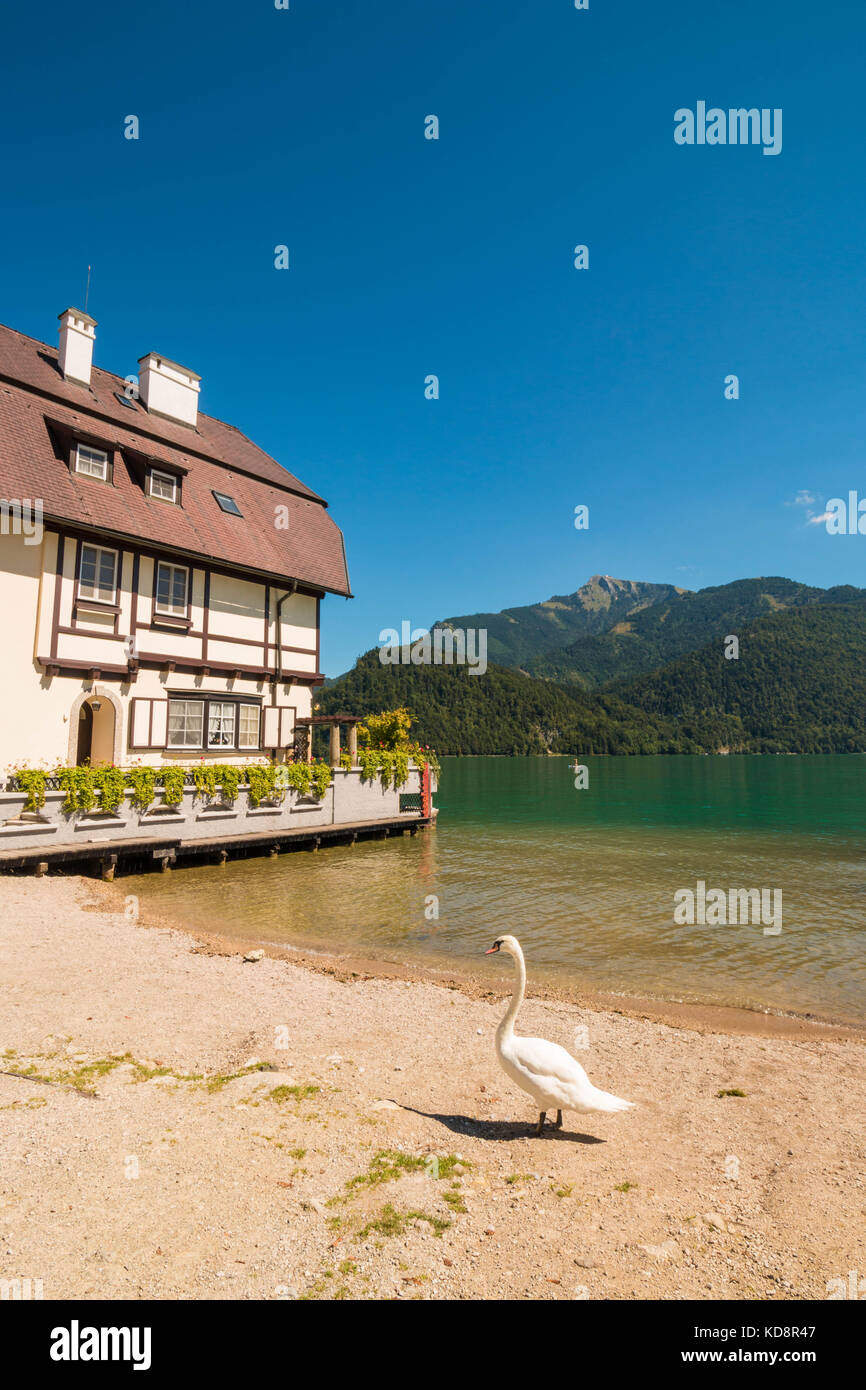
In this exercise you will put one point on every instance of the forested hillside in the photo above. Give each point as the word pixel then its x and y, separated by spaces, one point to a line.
pixel 798 684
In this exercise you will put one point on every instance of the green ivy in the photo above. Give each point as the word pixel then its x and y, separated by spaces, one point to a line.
pixel 172 779
pixel 32 781
pixel 209 776
pixel 307 779
pixel 391 764
pixel 110 782
pixel 142 780
pixel 78 784
pixel 262 782
pixel 87 786
pixel 321 779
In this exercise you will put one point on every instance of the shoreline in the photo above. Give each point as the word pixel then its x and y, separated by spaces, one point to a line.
pixel 177 1123
pixel 349 966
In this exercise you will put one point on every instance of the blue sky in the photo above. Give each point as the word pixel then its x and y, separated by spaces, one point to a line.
pixel 409 257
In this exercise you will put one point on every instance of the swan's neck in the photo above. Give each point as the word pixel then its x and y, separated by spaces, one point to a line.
pixel 506 1027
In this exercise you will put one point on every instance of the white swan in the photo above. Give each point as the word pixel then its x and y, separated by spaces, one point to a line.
pixel 544 1069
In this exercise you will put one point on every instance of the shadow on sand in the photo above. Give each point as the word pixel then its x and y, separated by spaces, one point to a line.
pixel 499 1129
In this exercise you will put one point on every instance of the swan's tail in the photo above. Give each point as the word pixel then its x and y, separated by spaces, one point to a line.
pixel 603 1100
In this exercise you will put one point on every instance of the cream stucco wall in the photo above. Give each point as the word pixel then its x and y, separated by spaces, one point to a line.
pixel 39 710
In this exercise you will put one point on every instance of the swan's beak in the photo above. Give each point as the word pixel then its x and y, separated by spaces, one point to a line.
pixel 491 950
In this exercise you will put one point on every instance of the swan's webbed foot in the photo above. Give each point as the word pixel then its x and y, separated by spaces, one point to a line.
pixel 537 1132
pixel 558 1124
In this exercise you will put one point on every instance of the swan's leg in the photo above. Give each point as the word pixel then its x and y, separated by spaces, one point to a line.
pixel 558 1119
pixel 541 1118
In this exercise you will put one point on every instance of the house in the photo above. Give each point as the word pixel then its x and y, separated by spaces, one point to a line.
pixel 166 606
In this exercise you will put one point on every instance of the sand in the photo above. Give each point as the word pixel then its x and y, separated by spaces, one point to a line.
pixel 141 1165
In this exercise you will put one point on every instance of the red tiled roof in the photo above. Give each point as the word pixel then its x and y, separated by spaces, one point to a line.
pixel 214 455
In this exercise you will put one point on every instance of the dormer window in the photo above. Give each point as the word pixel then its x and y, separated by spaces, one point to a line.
pixel 93 463
pixel 164 486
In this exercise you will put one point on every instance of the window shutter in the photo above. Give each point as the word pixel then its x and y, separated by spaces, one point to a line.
pixel 139 724
pixel 287 727
pixel 271 738
pixel 159 724
pixel 148 723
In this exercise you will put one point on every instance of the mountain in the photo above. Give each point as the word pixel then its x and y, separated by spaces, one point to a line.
pixel 798 686
pixel 677 624
pixel 516 635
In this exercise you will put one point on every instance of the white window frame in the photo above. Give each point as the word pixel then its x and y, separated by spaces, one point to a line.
pixel 97 594
pixel 201 705
pixel 213 735
pixel 96 454
pixel 170 609
pixel 157 473
pixel 226 713
pixel 242 706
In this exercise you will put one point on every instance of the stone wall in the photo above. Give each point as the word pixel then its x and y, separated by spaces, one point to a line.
pixel 348 799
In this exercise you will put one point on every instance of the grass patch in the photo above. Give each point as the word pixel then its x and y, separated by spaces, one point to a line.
pixel 734 1091
pixel 391 1222
pixel 625 1187
pixel 282 1093
pixel 387 1165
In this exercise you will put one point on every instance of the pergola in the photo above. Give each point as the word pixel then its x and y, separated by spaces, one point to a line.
pixel 334 723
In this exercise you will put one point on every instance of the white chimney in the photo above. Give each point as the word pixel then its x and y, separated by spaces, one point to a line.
pixel 167 389
pixel 77 335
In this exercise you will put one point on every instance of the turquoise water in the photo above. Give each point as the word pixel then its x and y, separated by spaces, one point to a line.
pixel 587 879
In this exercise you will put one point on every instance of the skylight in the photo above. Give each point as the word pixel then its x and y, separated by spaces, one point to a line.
pixel 227 504
pixel 124 400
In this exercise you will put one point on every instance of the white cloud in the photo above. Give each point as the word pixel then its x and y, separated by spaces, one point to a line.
pixel 817 520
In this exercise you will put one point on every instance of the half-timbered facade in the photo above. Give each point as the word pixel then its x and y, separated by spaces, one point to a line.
pixel 160 576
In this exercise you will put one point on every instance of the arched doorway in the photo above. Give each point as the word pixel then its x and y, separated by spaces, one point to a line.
pixel 84 745
pixel 95 742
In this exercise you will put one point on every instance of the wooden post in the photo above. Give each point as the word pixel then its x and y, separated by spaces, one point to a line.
pixel 108 867
pixel 335 745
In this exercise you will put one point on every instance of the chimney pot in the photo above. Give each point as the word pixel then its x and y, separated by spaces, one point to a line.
pixel 167 389
pixel 77 335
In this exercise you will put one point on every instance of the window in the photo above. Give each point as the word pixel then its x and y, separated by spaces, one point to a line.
pixel 92 462
pixel 227 504
pixel 97 574
pixel 248 726
pixel 185 723
pixel 221 725
pixel 171 589
pixel 229 724
pixel 162 485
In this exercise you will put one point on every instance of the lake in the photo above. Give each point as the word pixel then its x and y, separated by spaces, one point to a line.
pixel 587 879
